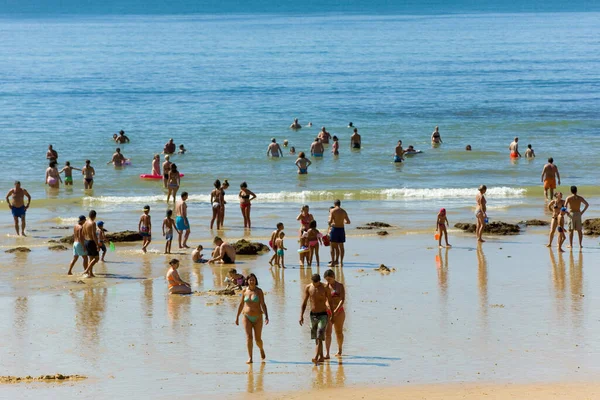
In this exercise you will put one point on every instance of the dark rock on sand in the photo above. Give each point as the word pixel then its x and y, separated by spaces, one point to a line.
pixel 226 292
pixel 249 248
pixel 60 227
pixel 494 228
pixel 18 250
pixel 592 226
pixel 58 247
pixel 383 233
pixel 534 222
pixel 53 241
pixel 374 225
pixel 383 269
pixel 125 236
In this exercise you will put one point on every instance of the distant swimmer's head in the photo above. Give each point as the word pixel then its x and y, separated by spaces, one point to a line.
pixel 115 136
pixel 482 189
pixel 81 219
pixel 529 146
pixel 273 140
pixel 551 160
pixel 167 157
pixel 243 185
pixel 468 148
pixel 411 147
pixel 87 162
pixel 292 150
pixel 337 203
pixel 217 184
pixel 302 155
pixel 285 143
pixel 309 123
pixel 350 125
pixel 574 189
pixel 121 132
pixel 316 278
pixel 296 120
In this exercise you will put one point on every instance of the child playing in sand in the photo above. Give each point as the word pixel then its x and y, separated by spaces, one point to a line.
pixel 279 260
pixel 314 238
pixel 182 149
pixel 101 238
pixel 167 229
pixel 274 237
pixel 235 280
pixel 145 228
pixel 440 227
pixel 197 255
pixel 561 228
pixel 176 285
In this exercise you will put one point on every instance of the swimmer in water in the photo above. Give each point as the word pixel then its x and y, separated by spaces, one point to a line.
pixel 335 148
pixel 68 170
pixel 176 284
pixel 295 125
pixel 529 153
pixel 324 136
pixel 51 154
pixel 310 124
pixel 52 176
pixel 122 139
pixel 292 150
pixel 285 143
pixel 468 148
pixel 316 148
pixel 274 149
pixel 182 149
pixel 118 159
pixel 514 148
pixel 399 156
pixel 169 147
pixel 302 163
pixel 436 138
pixel 88 173
pixel 355 140
pixel 350 125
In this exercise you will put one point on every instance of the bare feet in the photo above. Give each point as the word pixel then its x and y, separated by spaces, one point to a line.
pixel 327 357
pixel 448 245
pixel 548 245
pixel 249 361
pixel 561 250
pixel 263 355
pixel 338 354
pixel 481 240
pixel 69 273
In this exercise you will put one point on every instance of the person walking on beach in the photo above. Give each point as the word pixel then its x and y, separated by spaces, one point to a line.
pixel 442 221
pixel 117 159
pixel 176 284
pixel 436 138
pixel 514 148
pixel 166 167
pixel 274 236
pixel 302 163
pixel 246 196
pixel 173 183
pixel 337 292
pixel 224 187
pixel 481 212
pixel 68 170
pixel 167 229
pixel 399 156
pixel 156 165
pixel 253 306
pixel 90 242
pixel 224 252
pixel 554 207
pixel 78 248
pixel 281 249
pixel 324 136
pixel 145 228
pixel 216 202
pixel 102 239
pixel 88 173
pixel 355 140
pixel 182 223
pixel 549 176
pixel 316 148
pixel 274 149
pixel 122 138
pixel 17 206
pixel 573 204
pixel 170 147
pixel 53 178
pixel 320 314
pixel 337 218
pixel 51 154
pixel 561 228
pixel 295 125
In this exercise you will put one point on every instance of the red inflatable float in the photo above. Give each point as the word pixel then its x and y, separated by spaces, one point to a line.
pixel 148 176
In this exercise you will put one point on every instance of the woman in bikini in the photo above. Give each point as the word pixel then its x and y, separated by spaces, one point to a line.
pixel 176 285
pixel 224 187
pixel 554 207
pixel 480 212
pixel 338 298
pixel 252 305
pixel 53 176
pixel 246 196
pixel 305 218
pixel 216 203
pixel 173 183
pixel 156 165
pixel 313 237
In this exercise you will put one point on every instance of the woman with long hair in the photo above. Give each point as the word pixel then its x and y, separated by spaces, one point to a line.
pixel 246 196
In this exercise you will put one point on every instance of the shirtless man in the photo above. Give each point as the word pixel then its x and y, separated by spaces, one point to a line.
pixel 573 204
pixel 320 310
pixel 316 148
pixel 337 218
pixel 169 147
pixel 398 157
pixel 88 173
pixel 17 206
pixel 68 170
pixel 122 138
pixel 181 223
pixel 224 252
pixel 514 149
pixel 295 125
pixel 51 154
pixel 166 167
pixel 274 149
pixel 355 140
pixel 117 159
pixel 324 136
pixel 436 138
pixel 90 243
pixel 549 176
pixel 78 249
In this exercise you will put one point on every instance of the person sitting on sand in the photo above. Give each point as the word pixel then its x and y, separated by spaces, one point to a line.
pixel 176 284
pixel 169 147
pixel 224 252
pixel 235 280
pixel 302 163
pixel 253 306
pixel 554 207
pixel 561 228
pixel 529 153
pixel 68 170
pixel 440 228
pixel 295 125
pixel 197 255
pixel 320 314
pixel 182 149
pixel 52 176
pixel 338 298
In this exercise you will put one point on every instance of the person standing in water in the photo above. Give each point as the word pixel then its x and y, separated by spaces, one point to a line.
pixel 399 156
pixel 52 176
pixel 118 159
pixel 182 222
pixel 88 173
pixel 51 154
pixel 573 204
pixel 302 163
pixel 145 228
pixel 295 125
pixel 549 176
pixel 514 149
pixel 90 242
pixel 355 140
pixel 173 183
pixel 68 170
pixel 481 212
pixel 436 138
pixel 274 149
pixel 338 298
pixel 554 207
pixel 122 138
pixel 320 314
pixel 78 248
pixel 166 166
pixel 176 284
pixel 253 306
pixel 246 196
pixel 316 148
pixel 335 148
pixel 17 206
pixel 156 165
pixel 529 153
pixel 337 218
pixel 324 136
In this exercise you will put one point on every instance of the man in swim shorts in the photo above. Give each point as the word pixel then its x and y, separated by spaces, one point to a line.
pixel 320 313
pixel 355 140
pixel 181 222
pixel 316 148
pixel 324 136
pixel 17 206
pixel 337 218
pixel 90 242
pixel 78 249
pixel 514 149
pixel 122 138
pixel 224 252
pixel 398 157
pixel 549 176
pixel 573 204
pixel 274 149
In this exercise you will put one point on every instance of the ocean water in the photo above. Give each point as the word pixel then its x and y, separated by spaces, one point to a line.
pixel 223 85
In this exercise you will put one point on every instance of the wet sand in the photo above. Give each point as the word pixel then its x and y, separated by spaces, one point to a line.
pixel 510 311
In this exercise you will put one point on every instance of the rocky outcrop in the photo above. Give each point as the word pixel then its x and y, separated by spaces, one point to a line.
pixel 116 237
pixel 383 233
pixel 19 250
pixel 58 247
pixel 493 228
pixel 374 225
pixel 592 227
pixel 534 222
pixel 245 247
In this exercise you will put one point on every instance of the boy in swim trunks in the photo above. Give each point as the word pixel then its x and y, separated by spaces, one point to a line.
pixel 145 228
pixel 561 228
pixel 68 170
pixel 167 229
pixel 78 249
pixel 197 255
pixel 279 260
pixel 442 221
pixel 102 239
pixel 274 236
pixel 398 157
